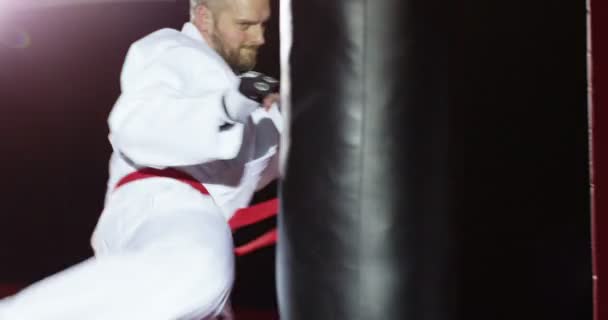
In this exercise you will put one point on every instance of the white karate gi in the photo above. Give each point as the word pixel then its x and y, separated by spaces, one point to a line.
pixel 164 251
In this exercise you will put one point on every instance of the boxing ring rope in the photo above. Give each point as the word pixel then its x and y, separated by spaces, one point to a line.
pixel 597 120
pixel 251 215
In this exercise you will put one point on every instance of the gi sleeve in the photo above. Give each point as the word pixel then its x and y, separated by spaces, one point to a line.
pixel 174 109
pixel 271 172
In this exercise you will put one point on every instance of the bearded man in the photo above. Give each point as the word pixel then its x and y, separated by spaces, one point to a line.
pixel 194 135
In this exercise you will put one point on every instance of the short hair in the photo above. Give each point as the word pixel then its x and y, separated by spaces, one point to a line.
pixel 211 4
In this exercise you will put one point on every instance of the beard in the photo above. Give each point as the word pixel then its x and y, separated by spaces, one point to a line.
pixel 240 59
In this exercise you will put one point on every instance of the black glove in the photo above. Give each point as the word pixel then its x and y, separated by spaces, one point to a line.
pixel 256 86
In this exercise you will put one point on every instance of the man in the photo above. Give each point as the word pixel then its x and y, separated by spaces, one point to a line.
pixel 192 142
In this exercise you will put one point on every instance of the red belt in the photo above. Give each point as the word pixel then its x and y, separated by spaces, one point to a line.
pixel 242 217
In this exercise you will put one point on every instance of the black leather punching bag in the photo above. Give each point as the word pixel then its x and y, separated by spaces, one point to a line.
pixel 364 226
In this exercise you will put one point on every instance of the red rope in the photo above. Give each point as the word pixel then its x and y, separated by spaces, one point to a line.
pixel 243 217
pixel 254 213
pixel 267 239
pixel 250 215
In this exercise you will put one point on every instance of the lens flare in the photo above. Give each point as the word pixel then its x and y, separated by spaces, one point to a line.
pixel 15 38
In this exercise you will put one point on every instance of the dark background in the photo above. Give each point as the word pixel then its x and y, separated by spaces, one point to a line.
pixel 519 121
pixel 520 144
pixel 599 26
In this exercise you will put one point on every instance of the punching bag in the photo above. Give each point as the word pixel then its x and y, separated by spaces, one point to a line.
pixel 364 224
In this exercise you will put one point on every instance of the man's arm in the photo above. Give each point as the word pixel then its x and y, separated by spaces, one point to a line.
pixel 174 108
pixel 271 173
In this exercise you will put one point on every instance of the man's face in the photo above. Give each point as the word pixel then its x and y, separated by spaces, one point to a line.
pixel 238 32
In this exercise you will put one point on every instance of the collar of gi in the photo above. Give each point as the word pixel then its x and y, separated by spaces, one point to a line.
pixel 190 30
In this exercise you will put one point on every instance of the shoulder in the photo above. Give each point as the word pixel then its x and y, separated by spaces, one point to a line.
pixel 172 56
pixel 168 44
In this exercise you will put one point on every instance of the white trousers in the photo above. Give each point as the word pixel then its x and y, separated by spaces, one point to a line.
pixel 163 251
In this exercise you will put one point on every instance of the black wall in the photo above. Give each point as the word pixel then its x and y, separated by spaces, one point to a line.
pixel 521 184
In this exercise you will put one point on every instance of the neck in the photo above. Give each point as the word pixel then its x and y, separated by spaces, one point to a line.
pixel 204 34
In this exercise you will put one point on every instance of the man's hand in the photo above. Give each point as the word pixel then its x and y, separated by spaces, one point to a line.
pixel 270 100
pixel 259 87
pixel 255 90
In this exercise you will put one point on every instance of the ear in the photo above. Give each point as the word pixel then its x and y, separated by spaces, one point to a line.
pixel 203 19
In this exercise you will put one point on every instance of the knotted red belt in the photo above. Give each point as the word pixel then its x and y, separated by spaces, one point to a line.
pixel 242 217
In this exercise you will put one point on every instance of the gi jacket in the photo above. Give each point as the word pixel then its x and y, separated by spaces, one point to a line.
pixel 172 112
